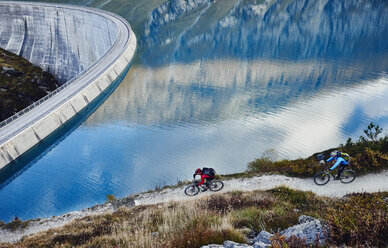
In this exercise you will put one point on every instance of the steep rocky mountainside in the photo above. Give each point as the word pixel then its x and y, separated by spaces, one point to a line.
pixel 21 83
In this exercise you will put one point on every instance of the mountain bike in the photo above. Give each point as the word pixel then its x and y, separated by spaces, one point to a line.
pixel 213 185
pixel 323 177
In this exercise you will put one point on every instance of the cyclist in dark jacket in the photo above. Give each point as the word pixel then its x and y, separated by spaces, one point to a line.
pixel 203 177
pixel 340 161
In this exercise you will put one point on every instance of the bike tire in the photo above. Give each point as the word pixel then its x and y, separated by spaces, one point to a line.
pixel 191 190
pixel 216 185
pixel 348 176
pixel 321 178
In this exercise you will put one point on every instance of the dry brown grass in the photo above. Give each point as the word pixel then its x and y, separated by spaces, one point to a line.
pixel 189 224
pixel 221 217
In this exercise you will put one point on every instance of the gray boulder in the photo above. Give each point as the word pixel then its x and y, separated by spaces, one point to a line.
pixel 231 244
pixel 228 244
pixel 309 229
pixel 263 237
pixel 304 219
pixel 261 245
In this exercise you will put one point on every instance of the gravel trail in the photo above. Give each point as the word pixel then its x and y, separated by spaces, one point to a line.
pixel 368 183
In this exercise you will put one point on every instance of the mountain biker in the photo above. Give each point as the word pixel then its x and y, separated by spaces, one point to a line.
pixel 339 160
pixel 203 177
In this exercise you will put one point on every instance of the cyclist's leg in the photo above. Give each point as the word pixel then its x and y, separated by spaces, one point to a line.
pixel 341 169
pixel 208 179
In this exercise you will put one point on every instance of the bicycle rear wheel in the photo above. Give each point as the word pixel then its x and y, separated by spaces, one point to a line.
pixel 321 178
pixel 348 176
pixel 216 185
pixel 191 190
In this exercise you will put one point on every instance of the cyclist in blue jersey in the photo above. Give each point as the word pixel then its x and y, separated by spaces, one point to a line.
pixel 340 161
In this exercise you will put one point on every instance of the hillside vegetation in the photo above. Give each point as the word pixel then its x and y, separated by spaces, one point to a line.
pixel 355 220
pixel 368 154
pixel 21 83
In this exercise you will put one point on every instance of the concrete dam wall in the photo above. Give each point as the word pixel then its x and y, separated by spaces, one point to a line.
pixel 62 41
pixel 88 49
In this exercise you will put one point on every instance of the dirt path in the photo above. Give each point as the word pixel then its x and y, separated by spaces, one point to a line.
pixel 368 183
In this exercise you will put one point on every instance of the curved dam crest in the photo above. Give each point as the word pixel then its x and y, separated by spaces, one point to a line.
pixel 91 48
pixel 62 41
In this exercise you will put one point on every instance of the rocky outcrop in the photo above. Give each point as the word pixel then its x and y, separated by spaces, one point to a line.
pixel 309 229
pixel 264 238
pixel 228 244
pixel 21 83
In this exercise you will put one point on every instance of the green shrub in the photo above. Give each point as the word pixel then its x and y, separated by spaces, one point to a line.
pixel 110 198
pixel 360 220
pixel 302 200
pixel 278 218
pixel 367 155
pixel 15 224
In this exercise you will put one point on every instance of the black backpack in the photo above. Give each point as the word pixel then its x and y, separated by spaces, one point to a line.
pixel 209 171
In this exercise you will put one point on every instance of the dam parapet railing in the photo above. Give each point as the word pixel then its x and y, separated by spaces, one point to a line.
pixel 29 126
pixel 63 86
pixel 48 96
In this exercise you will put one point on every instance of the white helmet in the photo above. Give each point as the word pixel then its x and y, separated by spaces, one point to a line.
pixel 333 154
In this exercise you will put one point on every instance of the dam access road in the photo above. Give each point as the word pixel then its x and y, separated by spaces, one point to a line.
pixel 88 49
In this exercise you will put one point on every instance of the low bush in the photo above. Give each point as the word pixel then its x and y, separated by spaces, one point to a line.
pixel 356 220
pixel 293 241
pixel 359 220
pixel 367 155
pixel 301 200
pixel 236 200
pixel 363 161
pixel 15 224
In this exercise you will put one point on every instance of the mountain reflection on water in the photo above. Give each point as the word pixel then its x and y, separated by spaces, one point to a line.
pixel 207 91
pixel 287 30
pixel 215 83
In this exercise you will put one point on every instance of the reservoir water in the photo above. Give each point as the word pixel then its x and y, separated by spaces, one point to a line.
pixel 216 83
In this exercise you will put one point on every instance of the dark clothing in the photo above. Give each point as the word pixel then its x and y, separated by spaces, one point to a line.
pixel 341 169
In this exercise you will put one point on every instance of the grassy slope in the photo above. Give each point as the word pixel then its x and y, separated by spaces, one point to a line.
pixel 356 220
pixel 21 83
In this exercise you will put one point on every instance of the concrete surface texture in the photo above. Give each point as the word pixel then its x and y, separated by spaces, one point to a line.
pixel 32 127
pixel 62 41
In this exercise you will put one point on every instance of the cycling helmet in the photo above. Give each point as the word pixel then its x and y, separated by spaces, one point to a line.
pixel 198 170
pixel 334 153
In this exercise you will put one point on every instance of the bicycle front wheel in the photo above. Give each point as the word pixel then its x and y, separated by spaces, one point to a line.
pixel 216 185
pixel 191 190
pixel 321 178
pixel 348 176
